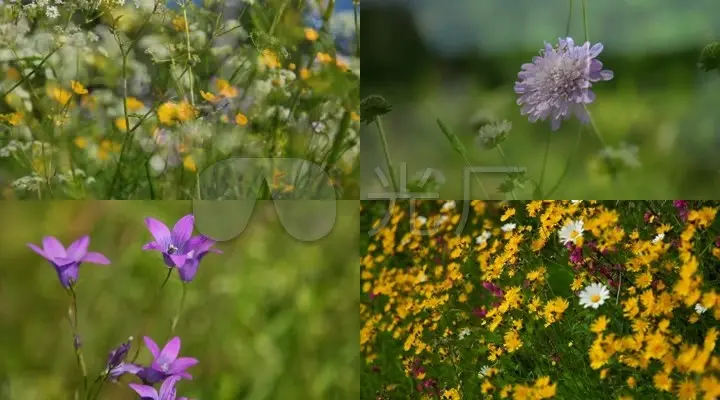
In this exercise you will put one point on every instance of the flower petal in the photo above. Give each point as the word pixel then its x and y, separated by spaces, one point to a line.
pixel 53 248
pixel 152 346
pixel 160 232
pixel 95 258
pixel 183 230
pixel 168 386
pixel 170 352
pixel 181 364
pixel 178 259
pixel 145 391
pixel 153 246
pixel 37 250
pixel 76 251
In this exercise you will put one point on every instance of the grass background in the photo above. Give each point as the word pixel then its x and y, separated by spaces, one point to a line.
pixel 463 58
pixel 272 318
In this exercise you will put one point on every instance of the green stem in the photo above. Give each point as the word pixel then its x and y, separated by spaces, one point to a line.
pixel 610 163
pixel 545 157
pixel 585 25
pixel 72 316
pixel 179 309
pixel 567 165
pixel 502 154
pixel 105 378
pixel 567 29
pixel 386 151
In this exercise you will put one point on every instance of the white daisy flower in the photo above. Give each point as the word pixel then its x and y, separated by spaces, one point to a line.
pixel 441 220
pixel 594 295
pixel 699 308
pixel 571 232
pixel 420 220
pixel 508 227
pixel 463 333
pixel 484 371
pixel 483 237
pixel 576 201
pixel 449 205
pixel 658 238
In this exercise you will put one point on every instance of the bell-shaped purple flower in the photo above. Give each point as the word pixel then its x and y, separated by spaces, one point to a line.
pixel 173 245
pixel 198 247
pixel 67 261
pixel 166 362
pixel 167 390
pixel 557 84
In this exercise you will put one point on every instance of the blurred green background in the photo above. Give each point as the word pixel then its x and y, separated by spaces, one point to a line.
pixel 452 60
pixel 272 318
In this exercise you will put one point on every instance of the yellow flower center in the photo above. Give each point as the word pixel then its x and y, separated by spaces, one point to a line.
pixel 595 298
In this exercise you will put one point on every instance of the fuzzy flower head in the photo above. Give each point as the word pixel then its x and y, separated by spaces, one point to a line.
pixel 594 295
pixel 492 134
pixel 557 84
pixel 571 232
pixel 67 261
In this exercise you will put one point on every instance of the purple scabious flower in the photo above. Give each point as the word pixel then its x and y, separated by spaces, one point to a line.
pixel 167 390
pixel 557 84
pixel 165 362
pixel 198 247
pixel 67 261
pixel 173 245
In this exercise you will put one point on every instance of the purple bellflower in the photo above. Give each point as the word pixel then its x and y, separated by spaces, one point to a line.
pixel 67 261
pixel 167 390
pixel 557 84
pixel 198 247
pixel 116 364
pixel 166 362
pixel 173 245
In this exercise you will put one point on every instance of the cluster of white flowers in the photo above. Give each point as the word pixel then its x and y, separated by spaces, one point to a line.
pixel 13 147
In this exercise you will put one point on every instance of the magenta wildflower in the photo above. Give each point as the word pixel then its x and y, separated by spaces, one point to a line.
pixel 67 261
pixel 173 245
pixel 166 362
pixel 167 390
pixel 197 247
pixel 557 84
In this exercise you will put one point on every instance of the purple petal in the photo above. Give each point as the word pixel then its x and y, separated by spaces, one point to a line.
pixel 189 270
pixel 170 352
pixel 153 246
pixel 596 50
pixel 95 258
pixel 76 251
pixel 160 232
pixel 37 250
pixel 53 248
pixel 181 364
pixel 125 368
pixel 168 387
pixel 68 274
pixel 145 391
pixel 178 259
pixel 152 346
pixel 200 244
pixel 183 229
